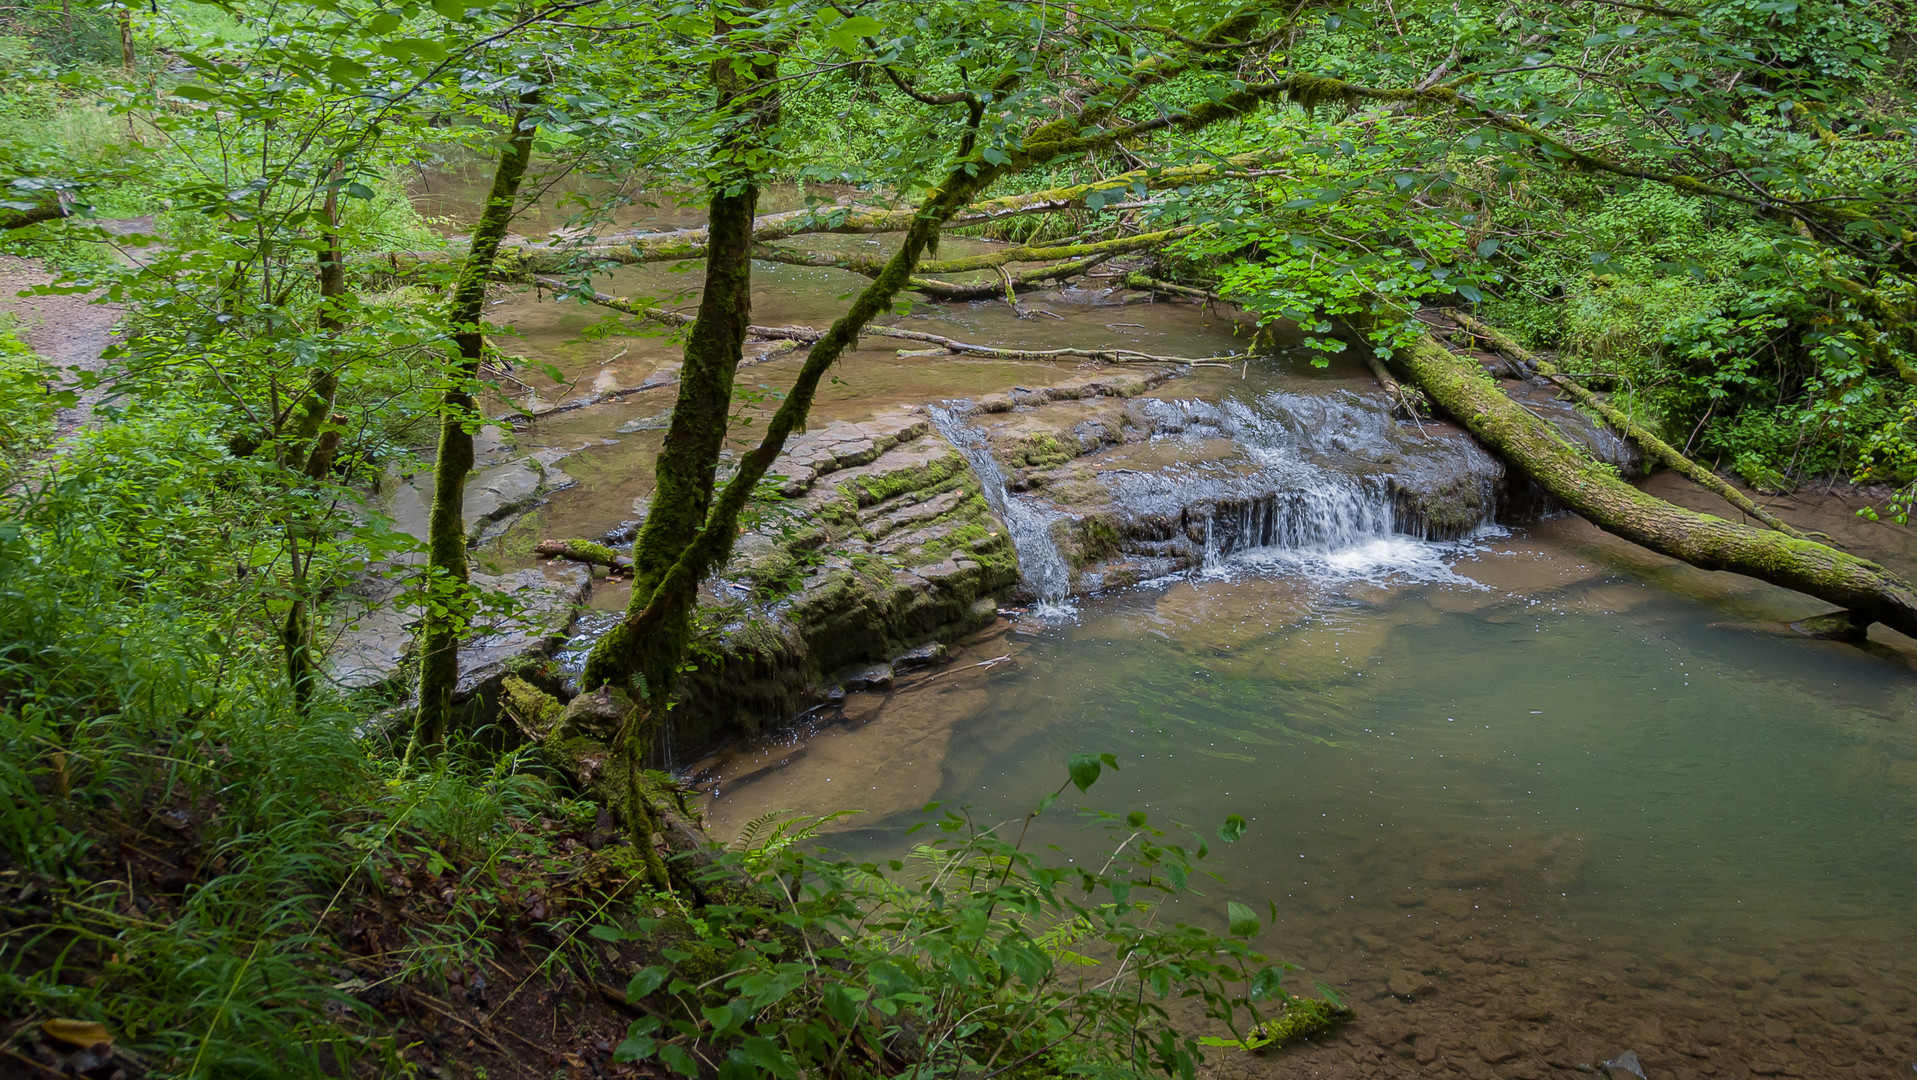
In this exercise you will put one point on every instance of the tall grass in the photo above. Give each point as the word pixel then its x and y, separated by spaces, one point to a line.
pixel 182 846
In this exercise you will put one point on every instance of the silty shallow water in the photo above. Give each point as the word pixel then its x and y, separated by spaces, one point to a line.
pixel 1587 817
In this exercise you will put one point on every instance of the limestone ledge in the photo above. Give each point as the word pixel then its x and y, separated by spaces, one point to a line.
pixel 532 612
pixel 883 548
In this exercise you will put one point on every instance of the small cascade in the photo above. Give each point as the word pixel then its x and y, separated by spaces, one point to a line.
pixel 1321 491
pixel 1039 561
pixel 1342 513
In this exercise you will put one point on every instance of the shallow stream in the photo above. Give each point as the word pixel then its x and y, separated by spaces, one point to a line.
pixel 1528 799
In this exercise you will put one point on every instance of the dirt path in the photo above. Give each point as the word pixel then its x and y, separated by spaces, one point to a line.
pixel 70 331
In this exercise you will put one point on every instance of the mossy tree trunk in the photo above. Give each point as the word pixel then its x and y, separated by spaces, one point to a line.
pixel 689 457
pixel 688 460
pixel 448 602
pixel 653 638
pixel 1670 455
pixel 1865 591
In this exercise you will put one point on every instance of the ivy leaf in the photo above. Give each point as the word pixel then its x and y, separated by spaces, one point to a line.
pixel 645 982
pixel 762 1052
pixel 678 1060
pixel 1084 769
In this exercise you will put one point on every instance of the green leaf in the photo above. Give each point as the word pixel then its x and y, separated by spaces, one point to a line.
pixel 451 9
pixel 1232 829
pixel 645 982
pixel 1243 920
pixel 410 48
pixel 723 1018
pixel 1487 247
pixel 678 1060
pixel 1265 984
pixel 1471 293
pixel 845 34
pixel 635 1048
pixel 766 1055
pixel 1084 769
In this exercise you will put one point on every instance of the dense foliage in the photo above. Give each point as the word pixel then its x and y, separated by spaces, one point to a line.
pixel 1708 209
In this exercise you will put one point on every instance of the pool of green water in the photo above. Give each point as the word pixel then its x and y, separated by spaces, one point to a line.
pixel 1546 786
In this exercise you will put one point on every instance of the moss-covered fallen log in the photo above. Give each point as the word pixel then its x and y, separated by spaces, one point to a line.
pixel 1670 455
pixel 806 335
pixel 585 551
pixel 20 213
pixel 1865 591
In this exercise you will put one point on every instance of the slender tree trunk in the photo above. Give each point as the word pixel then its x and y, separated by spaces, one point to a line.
pixel 296 635
pixel 689 458
pixel 448 602
pixel 1865 591
pixel 653 630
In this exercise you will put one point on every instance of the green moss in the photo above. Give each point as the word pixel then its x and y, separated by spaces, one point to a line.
pixel 1089 540
pixel 1043 450
pixel 535 710
pixel 921 477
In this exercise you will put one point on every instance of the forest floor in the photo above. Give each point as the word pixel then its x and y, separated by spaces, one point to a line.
pixel 463 975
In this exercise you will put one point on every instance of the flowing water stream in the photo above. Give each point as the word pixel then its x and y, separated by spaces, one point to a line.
pixel 1040 565
pixel 1529 797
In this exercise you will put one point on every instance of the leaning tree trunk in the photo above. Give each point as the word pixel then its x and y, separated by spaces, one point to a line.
pixel 448 602
pixel 1670 455
pixel 1865 591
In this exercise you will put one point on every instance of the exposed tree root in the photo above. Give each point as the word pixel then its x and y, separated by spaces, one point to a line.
pixel 1865 591
pixel 1624 425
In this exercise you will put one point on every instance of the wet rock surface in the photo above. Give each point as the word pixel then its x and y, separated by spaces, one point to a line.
pixel 915 524
pixel 882 547
pixel 374 629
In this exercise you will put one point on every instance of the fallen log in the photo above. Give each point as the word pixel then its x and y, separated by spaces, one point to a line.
pixel 585 551
pixel 42 206
pixel 1656 447
pixel 807 335
pixel 1866 592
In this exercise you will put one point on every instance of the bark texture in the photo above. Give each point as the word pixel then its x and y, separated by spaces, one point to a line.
pixel 1866 591
pixel 45 206
pixel 1624 425
pixel 448 601
pixel 314 445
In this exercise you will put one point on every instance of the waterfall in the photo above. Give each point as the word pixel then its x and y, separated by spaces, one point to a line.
pixel 1313 500
pixel 1039 561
